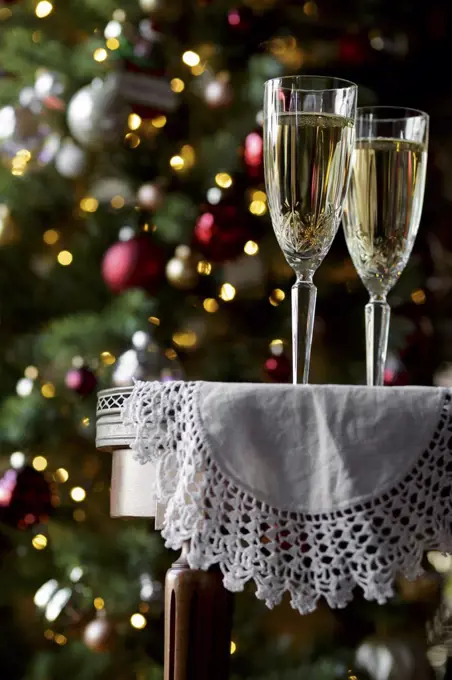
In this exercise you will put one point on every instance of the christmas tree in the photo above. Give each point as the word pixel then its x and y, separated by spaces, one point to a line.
pixel 135 243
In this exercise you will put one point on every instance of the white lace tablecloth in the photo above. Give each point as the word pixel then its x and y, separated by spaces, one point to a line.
pixel 310 490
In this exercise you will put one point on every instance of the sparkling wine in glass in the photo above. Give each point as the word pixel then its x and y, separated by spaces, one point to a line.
pixel 382 211
pixel 308 144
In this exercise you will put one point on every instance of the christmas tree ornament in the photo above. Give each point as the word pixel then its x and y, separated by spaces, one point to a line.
pixel 150 196
pixel 25 497
pixel 97 114
pixel 8 228
pixel 221 232
pixel 278 368
pixel 81 380
pixel 27 142
pixel 181 270
pixel 71 161
pixel 49 89
pixel 136 263
pixel 145 360
pixel 99 633
pixel 253 155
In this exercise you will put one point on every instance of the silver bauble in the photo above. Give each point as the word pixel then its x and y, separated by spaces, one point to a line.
pixel 27 141
pixel 145 360
pixel 71 161
pixel 97 114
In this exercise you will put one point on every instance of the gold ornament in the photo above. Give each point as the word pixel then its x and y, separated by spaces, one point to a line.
pixel 8 228
pixel 181 270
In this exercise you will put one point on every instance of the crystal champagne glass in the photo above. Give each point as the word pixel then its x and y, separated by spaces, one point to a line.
pixel 308 145
pixel 382 212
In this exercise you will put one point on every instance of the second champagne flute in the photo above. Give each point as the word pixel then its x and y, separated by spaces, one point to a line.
pixel 382 211
pixel 308 143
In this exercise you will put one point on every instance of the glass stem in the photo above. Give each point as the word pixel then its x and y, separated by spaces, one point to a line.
pixel 304 295
pixel 377 316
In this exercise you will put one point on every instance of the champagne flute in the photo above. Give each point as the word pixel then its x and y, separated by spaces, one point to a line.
pixel 308 146
pixel 382 211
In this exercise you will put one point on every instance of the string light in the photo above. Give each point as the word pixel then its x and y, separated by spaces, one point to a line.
pixel 119 15
pixel 134 121
pixel 227 292
pixel 86 421
pixel 17 460
pixel 60 639
pixel 117 202
pixel 39 463
pixel 204 268
pixel 191 58
pixel 78 494
pixel 185 339
pixel 233 648
pixel 24 387
pixel 100 54
pixel 51 236
pixel 154 320
pixel 159 121
pixel 177 85
pixel 64 258
pixel 61 475
pixel 49 634
pixel 132 140
pixel 89 204
pixel 39 542
pixel 107 358
pixel 198 69
pixel 138 621
pixel 99 603
pixel 210 305
pixel 259 195
pixel 43 9
pixel 31 372
pixel 418 296
pixel 48 390
pixel 113 44
pixel 177 162
pixel 188 155
pixel 258 208
pixel 276 297
pixel 251 248
pixel 171 354
pixel 310 9
pixel 223 179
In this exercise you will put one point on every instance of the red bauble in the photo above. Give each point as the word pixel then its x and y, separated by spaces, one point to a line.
pixel 221 232
pixel 253 154
pixel 25 498
pixel 81 380
pixel 137 263
pixel 278 368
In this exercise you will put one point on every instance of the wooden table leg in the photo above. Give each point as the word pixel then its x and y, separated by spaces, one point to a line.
pixel 198 618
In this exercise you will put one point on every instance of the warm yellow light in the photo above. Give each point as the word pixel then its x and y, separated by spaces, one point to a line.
pixel 204 268
pixel 188 154
pixel 177 85
pixel 39 541
pixel 50 236
pixel 177 162
pixel 233 647
pixel 64 258
pixel 258 208
pixel 43 9
pixel 223 179
pixel 99 603
pixel 23 154
pixel 191 58
pixel 132 140
pixel 48 390
pixel 159 121
pixel 5 13
pixel 117 202
pixel 259 196
pixel 107 358
pixel 138 621
pixel 49 634
pixel 134 121
pixel 39 463
pixel 227 292
pixel 277 342
pixel 198 69
pixel 170 354
pixel 61 475
pixel 89 204
pixel 276 296
pixel 185 339
pixel 78 494
pixel 418 296
pixel 210 305
pixel 86 421
pixel 60 639
pixel 113 43
pixel 31 372
pixel 310 9
pixel 251 248
pixel 154 320
pixel 79 515
pixel 100 54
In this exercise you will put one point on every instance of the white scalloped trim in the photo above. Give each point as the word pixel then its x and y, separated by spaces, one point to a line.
pixel 307 555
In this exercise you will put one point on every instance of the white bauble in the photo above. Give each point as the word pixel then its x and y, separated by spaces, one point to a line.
pixel 97 114
pixel 149 196
pixel 71 161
